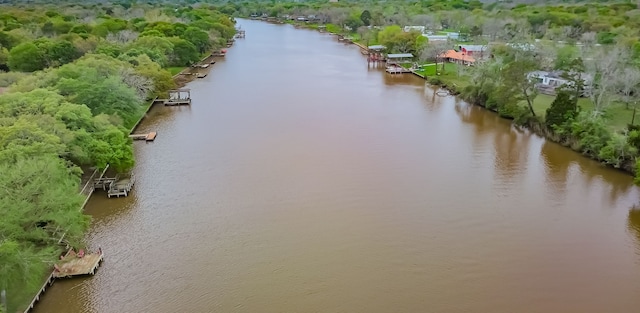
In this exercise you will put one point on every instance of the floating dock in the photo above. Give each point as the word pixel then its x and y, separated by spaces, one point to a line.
pixel 77 264
pixel 147 137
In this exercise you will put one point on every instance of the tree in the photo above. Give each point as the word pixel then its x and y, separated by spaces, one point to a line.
pixel 603 67
pixel 26 57
pixel 433 51
pixel 198 37
pixel 628 81
pixel 573 70
pixel 184 53
pixel 20 267
pixel 365 17
pixel 562 110
pixel 516 80
pixel 40 202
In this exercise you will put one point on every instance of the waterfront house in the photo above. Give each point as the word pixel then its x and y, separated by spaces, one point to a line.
pixel 548 82
pixel 477 51
pixel 458 57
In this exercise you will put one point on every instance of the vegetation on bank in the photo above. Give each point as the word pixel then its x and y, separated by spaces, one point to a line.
pixel 595 47
pixel 78 78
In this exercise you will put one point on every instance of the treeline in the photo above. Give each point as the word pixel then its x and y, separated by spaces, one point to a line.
pixel 609 21
pixel 78 79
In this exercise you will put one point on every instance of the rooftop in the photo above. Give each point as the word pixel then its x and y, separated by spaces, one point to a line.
pixel 399 55
pixel 377 47
pixel 453 54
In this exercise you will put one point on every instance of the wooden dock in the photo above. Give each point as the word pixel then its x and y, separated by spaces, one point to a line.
pixel 74 264
pixel 70 265
pixel 397 70
pixel 147 137
pixel 115 186
pixel 178 97
pixel 121 187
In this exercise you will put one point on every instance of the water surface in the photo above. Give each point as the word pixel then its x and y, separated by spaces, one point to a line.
pixel 300 180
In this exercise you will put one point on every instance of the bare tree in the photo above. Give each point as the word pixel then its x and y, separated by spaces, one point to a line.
pixel 546 54
pixel 434 51
pixel 603 67
pixel 123 36
pixel 142 85
pixel 492 27
pixel 628 80
pixel 422 20
pixel 588 39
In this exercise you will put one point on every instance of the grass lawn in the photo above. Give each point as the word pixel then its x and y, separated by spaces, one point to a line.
pixel 617 114
pixel 175 70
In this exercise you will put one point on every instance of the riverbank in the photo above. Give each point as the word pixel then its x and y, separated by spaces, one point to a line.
pixel 456 85
pixel 183 77
pixel 298 183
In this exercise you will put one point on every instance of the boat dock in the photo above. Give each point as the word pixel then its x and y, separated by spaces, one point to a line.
pixel 147 137
pixel 115 186
pixel 397 70
pixel 77 264
pixel 178 97
pixel 72 264
pixel 121 187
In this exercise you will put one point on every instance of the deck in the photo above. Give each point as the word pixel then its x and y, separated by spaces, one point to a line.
pixel 397 70
pixel 121 187
pixel 148 137
pixel 73 265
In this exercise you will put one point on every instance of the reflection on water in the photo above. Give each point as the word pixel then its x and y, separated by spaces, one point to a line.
pixel 634 225
pixel 300 180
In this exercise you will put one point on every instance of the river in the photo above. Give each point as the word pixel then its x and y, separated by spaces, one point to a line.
pixel 300 180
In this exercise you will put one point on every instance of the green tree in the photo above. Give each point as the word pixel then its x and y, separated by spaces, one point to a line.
pixel 26 57
pixel 198 38
pixel 515 78
pixel 365 17
pixel 562 110
pixel 184 52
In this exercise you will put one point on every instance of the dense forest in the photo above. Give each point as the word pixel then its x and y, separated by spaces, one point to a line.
pixel 74 79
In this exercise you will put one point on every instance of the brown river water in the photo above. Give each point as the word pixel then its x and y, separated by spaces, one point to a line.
pixel 300 180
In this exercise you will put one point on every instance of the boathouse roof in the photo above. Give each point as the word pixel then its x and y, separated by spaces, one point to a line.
pixel 399 55
pixel 377 47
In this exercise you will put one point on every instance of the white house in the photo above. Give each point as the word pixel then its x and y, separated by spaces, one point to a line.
pixel 420 29
pixel 551 79
pixel 547 82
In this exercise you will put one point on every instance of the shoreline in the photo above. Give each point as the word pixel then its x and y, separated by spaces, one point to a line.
pixel 533 125
pixel 182 78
